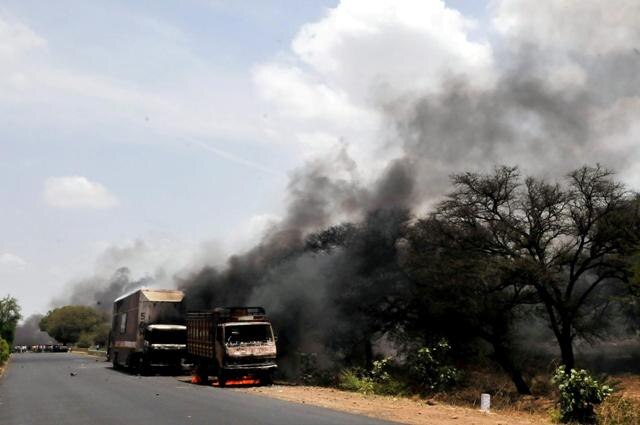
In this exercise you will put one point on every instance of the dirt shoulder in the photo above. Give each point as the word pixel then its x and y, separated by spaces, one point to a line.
pixel 102 355
pixel 397 409
pixel 4 367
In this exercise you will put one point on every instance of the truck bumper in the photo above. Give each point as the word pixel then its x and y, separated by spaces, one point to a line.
pixel 165 356
pixel 250 367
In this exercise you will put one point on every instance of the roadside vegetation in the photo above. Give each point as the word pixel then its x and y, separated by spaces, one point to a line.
pixel 506 272
pixel 9 317
pixel 492 291
pixel 619 410
pixel 79 325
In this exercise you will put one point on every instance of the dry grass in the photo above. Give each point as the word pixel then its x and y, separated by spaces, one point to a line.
pixel 504 396
pixel 619 410
pixel 623 407
pixel 627 386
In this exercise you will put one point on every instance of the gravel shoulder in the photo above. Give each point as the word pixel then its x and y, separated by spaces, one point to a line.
pixel 396 409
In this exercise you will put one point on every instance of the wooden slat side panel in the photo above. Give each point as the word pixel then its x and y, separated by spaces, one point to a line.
pixel 200 336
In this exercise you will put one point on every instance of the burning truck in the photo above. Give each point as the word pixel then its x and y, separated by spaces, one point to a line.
pixel 148 330
pixel 234 343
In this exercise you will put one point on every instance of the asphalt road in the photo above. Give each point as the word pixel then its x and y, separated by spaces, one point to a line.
pixel 39 389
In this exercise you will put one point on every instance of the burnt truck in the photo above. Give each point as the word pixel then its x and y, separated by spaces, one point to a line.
pixel 236 344
pixel 148 330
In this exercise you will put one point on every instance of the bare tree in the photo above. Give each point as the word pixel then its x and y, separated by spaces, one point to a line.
pixel 565 243
pixel 464 295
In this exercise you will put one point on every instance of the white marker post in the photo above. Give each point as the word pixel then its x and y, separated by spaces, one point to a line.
pixel 485 402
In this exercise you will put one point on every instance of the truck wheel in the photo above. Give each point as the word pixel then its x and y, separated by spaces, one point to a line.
pixel 144 366
pixel 266 379
pixel 177 368
pixel 203 373
pixel 114 361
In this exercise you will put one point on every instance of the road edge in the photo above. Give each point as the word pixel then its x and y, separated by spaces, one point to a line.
pixel 91 353
pixel 4 367
pixel 450 413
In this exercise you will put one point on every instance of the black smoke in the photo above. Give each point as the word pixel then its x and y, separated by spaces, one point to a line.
pixel 28 332
pixel 325 282
pixel 325 299
pixel 99 291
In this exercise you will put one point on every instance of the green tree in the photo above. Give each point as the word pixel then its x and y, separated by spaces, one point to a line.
pixel 463 295
pixel 567 242
pixel 368 284
pixel 9 317
pixel 67 324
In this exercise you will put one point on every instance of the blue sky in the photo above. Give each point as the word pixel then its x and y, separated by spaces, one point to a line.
pixel 177 124
pixel 196 54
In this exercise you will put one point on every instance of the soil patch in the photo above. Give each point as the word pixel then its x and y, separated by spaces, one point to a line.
pixel 396 409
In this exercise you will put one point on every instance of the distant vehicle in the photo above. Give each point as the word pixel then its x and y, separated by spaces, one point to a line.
pixel 148 330
pixel 40 348
pixel 234 343
pixel 59 348
pixel 20 349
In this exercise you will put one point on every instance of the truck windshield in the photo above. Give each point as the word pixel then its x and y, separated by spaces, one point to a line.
pixel 246 334
pixel 158 336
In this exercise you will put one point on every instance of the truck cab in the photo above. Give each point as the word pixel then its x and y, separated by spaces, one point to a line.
pixel 163 345
pixel 234 343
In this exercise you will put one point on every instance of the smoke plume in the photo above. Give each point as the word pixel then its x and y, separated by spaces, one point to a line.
pixel 28 332
pixel 407 83
pixel 100 292
pixel 547 107
pixel 130 265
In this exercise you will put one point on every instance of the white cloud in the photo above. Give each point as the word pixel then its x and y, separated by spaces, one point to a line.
pixel 397 45
pixel 77 192
pixel 589 27
pixel 11 262
pixel 16 39
pixel 330 88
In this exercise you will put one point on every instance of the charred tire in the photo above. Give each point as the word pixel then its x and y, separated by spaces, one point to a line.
pixel 144 366
pixel 222 378
pixel 203 372
pixel 177 368
pixel 266 379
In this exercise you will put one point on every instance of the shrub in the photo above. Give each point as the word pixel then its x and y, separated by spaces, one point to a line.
pixel 311 373
pixel 376 381
pixel 380 371
pixel 5 351
pixel 617 410
pixel 429 369
pixel 579 393
pixel 383 380
pixel 356 379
